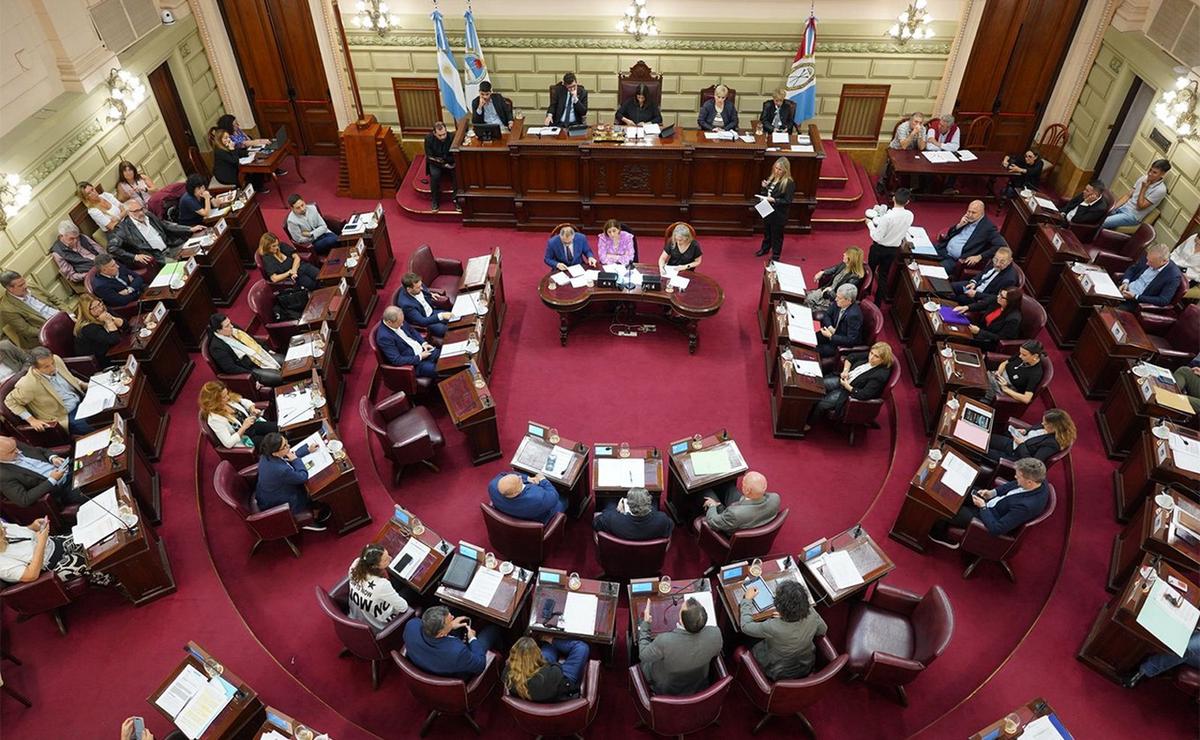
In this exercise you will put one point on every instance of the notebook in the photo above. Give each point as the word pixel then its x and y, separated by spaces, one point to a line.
pixel 461 571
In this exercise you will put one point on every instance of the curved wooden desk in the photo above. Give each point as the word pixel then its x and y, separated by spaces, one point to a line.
pixel 701 299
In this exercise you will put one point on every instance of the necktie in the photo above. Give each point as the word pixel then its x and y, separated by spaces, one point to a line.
pixel 569 253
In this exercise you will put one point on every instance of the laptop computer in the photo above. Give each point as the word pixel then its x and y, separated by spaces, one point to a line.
pixel 666 132
pixel 279 140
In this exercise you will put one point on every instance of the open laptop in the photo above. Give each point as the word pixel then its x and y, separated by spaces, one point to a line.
pixel 279 140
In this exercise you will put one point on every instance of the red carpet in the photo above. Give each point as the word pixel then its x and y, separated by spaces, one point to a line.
pixel 1012 642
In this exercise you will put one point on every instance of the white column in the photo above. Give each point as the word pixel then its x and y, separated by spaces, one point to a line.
pixel 334 61
pixel 222 61
pixel 82 59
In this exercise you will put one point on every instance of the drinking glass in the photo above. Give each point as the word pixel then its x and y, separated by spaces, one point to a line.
pixel 756 567
pixel 623 451
pixel 664 584
pixel 553 436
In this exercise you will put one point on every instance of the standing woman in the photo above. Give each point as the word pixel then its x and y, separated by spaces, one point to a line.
pixel 718 113
pixel 133 184
pixel 638 109
pixel 104 209
pixel 614 246
pixel 778 190
pixel 96 330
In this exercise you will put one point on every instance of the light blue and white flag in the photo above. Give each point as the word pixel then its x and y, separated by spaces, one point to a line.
pixel 802 80
pixel 476 68
pixel 448 79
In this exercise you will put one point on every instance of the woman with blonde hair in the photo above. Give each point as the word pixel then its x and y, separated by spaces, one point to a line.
pixel 533 672
pixel 280 262
pixel 778 190
pixel 106 211
pixel 96 330
pixel 864 376
pixel 718 113
pixel 235 420
pixel 778 113
pixel 1056 433
pixel 849 271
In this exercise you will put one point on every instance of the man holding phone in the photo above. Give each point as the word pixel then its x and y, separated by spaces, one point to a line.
pixel 446 645
pixel 134 728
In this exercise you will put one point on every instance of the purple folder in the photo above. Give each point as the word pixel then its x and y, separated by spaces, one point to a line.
pixel 950 317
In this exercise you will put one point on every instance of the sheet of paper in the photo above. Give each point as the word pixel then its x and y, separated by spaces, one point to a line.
pixel 706 600
pixel 1041 728
pixel 178 692
pixel 1186 451
pixel 271 734
pixel 680 282
pixel 579 281
pixel 841 569
pixel 163 278
pixel 710 462
pixel 651 129
pixel 204 707
pixel 417 552
pixel 94 442
pixel 937 156
pixel 319 457
pixel 933 271
pixel 575 270
pixel 579 613
pixel 299 351
pixel 800 324
pixel 780 137
pixel 454 349
pixel 559 278
pixel 802 148
pixel 764 208
pixel 1044 203
pixel 919 237
pixel 966 155
pixel 748 138
pixel 294 407
pixel 959 475
pixel 616 472
pixel 97 399
pixel 464 304
pixel 1172 400
pixel 475 271
pixel 791 278
pixel 811 368
pixel 1104 284
pixel 971 434
pixel 1171 624
pixel 483 586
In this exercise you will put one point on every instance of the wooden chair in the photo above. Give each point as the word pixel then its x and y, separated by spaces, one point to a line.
pixel 979 133
pixel 671 229
pixel 710 92
pixel 639 74
pixel 1051 144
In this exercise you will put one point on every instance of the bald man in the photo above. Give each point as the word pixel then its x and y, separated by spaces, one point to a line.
pixel 520 496
pixel 727 512
pixel 27 473
pixel 972 240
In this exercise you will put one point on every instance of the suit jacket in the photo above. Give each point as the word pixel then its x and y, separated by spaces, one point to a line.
pixel 1162 288
pixel 870 384
pixel 24 487
pixel 500 104
pixel 787 114
pixel 394 349
pixel 1006 326
pixel 73 264
pixel 439 149
pixel 282 481
pixel 127 242
pixel 708 114
pixel 743 514
pixel 226 360
pixel 654 526
pixel 558 104
pixel 33 394
pixel 785 649
pixel 648 113
pixel 444 656
pixel 108 289
pixel 849 329
pixel 21 323
pixel 226 165
pixel 676 663
pixel 537 502
pixel 1014 510
pixel 413 313
pixel 984 241
pixel 1043 447
pixel 556 252
pixel 1092 214
pixel 985 299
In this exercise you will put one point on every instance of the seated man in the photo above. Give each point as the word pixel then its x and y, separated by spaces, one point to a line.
pixel 1089 207
pixel 23 310
pixel 910 134
pixel 841 326
pixel 567 248
pixel 1004 508
pixel 979 294
pixel 943 134
pixel 1159 663
pixel 568 103
pixel 48 394
pixel 634 518
pixel 727 512
pixel 144 238
pixel 490 107
pixel 439 163
pixel 676 663
pixel 1026 171
pixel 74 254
pixel 281 479
pixel 520 496
pixel 1152 280
pixel 972 240
pixel 115 284
pixel 401 345
pixel 432 645
pixel 306 225
pixel 12 359
pixel 1145 195
pixel 417 302
pixel 1188 379
pixel 785 649
pixel 27 473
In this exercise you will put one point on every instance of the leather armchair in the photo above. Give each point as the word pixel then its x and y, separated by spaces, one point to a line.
pixel 1115 251
pixel 53 436
pixel 524 542
pixel 262 271
pixel 967 273
pixel 276 523
pixel 358 638
pixel 1033 320
pixel 262 302
pixel 449 695
pixel 1187 680
pixel 242 384
pixel 710 92
pixel 58 335
pixel 857 413
pixel 680 715
pixel 568 718
pixel 982 545
pixel 667 235
pixel 621 559
pixel 48 593
pixel 45 506
pixel 437 273
pixel 742 544
pixel 239 457
pixel 894 635
pixel 396 378
pixel 407 434
pixel 1176 341
pixel 792 696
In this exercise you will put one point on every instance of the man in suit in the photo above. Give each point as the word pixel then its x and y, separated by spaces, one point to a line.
pixel 568 103
pixel 23 310
pixel 727 512
pixel 1152 280
pixel 432 646
pixel 115 284
pixel 1090 206
pixel 1004 508
pixel 532 498
pixel 778 113
pixel 74 254
pixel 973 239
pixel 402 345
pixel 785 649
pixel 417 302
pixel 48 394
pixel 979 294
pixel 281 479
pixel 568 247
pixel 27 473
pixel 676 663
pixel 144 238
pixel 634 517
pixel 439 162
pixel 490 107
pixel 841 326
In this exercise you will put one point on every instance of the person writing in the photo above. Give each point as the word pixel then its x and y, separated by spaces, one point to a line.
pixel 863 377
pixel 373 598
pixel 521 496
pixel 96 330
pixel 236 421
pixel 547 672
pixel 280 262
pixel 728 512
pixel 614 246
pixel 1055 433
pixel 567 248
pixel 634 517
pixel 1004 508
pixel 1019 376
pixel 718 112
pixel 439 161
pixel 568 103
pixel 401 345
pixel 281 479
pixel 27 473
pixel 431 643
pixel 785 647
pixel 639 109
pixel 778 190
pixel 676 663
pixel 681 250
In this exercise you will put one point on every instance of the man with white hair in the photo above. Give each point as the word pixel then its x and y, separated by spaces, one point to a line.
pixel 727 512
pixel 1152 280
pixel 74 254
pixel 841 326
pixel 634 517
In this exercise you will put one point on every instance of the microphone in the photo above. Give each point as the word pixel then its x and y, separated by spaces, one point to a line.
pixel 104 508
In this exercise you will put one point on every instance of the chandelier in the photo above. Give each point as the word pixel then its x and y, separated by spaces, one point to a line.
pixel 15 194
pixel 125 92
pixel 1177 109
pixel 914 23
pixel 373 15
pixel 638 21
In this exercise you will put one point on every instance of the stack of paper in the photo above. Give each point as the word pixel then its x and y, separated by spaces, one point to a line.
pixel 93 442
pixel 558 462
pixel 802 148
pixel 177 694
pixel 748 138
pixel 93 522
pixel 920 241
pixel 966 155
pixel 616 472
pixel 543 130
pixel 937 156
pixel 294 407
pixel 559 278
pixel 1104 284
pixel 791 278
pixel 1186 452
pixel 167 273
pixel 1047 204
pixel 467 304
pixel 933 271
pixel 780 137
pixel 680 282
pixel 959 474
pixel 579 614
pixel 840 568
pixel 319 457
pixel 800 324
pixel 299 351
pixel 1171 625
pixel 483 586
pixel 204 706
pixel 721 135
pixel 651 129
pixel 98 398
pixel 454 349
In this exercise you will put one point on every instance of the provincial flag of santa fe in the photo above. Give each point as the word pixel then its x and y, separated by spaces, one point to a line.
pixel 476 68
pixel 802 80
pixel 449 82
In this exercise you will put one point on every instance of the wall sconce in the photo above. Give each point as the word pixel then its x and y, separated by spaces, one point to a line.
pixel 638 21
pixel 15 194
pixel 914 24
pixel 373 15
pixel 1177 109
pixel 125 92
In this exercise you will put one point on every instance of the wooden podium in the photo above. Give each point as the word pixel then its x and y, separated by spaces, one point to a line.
pixel 136 558
pixel 1151 461
pixel 1049 254
pixel 963 372
pixel 1132 401
pixel 794 395
pixel 220 264
pixel 337 487
pixel 161 352
pixel 190 306
pixel 371 163
pixel 1069 308
pixel 1022 221
pixel 928 330
pixel 1154 531
pixel 473 411
pixel 909 293
pixel 99 471
pixel 361 288
pixel 1109 336
pixel 573 481
pixel 927 501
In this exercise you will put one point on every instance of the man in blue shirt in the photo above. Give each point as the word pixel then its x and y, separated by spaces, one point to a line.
pixel 1153 279
pixel 430 644
pixel 401 345
pixel 490 108
pixel 972 240
pixel 534 498
pixel 27 473
pixel 1004 508
pixel 281 479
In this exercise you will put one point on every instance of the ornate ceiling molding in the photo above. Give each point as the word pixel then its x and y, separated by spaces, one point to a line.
pixel 63 153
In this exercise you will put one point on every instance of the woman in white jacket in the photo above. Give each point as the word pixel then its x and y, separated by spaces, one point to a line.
pixel 236 421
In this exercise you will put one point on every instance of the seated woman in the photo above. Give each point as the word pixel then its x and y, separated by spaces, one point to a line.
pixel 1002 322
pixel 718 113
pixel 1025 171
pixel 133 184
pixel 106 211
pixel 849 271
pixel 533 672
pixel 1055 434
pixel 373 598
pixel 638 109
pixel 236 421
pixel 281 478
pixel 195 204
pixel 280 262
pixel 864 376
pixel 27 552
pixel 234 352
pixel 96 330
pixel 228 123
pixel 614 247
pixel 227 161
pixel 778 113
pixel 681 250
pixel 1019 376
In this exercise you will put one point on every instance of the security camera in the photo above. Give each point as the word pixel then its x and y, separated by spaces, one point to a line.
pixel 168 18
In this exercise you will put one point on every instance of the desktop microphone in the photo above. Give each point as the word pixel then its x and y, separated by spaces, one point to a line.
pixel 857 531
pixel 103 508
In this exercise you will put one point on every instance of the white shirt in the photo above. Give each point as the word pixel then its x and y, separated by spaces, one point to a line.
pixel 857 371
pixel 991 504
pixel 1155 193
pixel 946 145
pixel 413 344
pixel 150 234
pixel 424 305
pixel 17 556
pixel 1188 259
pixel 375 601
pixel 1082 203
pixel 891 228
pixel 102 218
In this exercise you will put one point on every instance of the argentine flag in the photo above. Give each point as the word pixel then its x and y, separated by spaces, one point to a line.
pixel 448 79
pixel 476 68
pixel 802 80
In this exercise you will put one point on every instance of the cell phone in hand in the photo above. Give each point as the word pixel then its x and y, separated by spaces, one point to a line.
pixel 139 728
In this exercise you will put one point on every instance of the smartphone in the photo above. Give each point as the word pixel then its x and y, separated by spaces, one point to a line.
pixel 139 728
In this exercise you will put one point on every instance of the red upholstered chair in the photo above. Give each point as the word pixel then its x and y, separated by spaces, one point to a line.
pixel 1115 251
pixel 242 384
pixel 710 93
pixel 1169 311
pixel 54 436
pixel 262 271
pixel 58 335
pixel 1187 680
pixel 48 593
pixel 981 544
pixel 863 414
pixel 742 544
pixel 894 635
pixel 872 329
pixel 1033 320
pixel 621 559
pixel 45 506
pixel 524 542
pixel 358 638
pixel 1176 341
pixel 438 273
pixel 680 715
pixel 973 272
pixel 1007 466
pixel 276 523
pixel 407 434
pixel 453 696
pixel 792 696
pixel 396 378
pixel 568 718
pixel 262 302
pixel 239 457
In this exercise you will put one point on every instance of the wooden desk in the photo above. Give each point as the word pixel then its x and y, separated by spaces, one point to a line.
pixel 240 719
pixel 136 559
pixel 1022 221
pixel 191 307
pixel 552 588
pixel 100 471
pixel 378 242
pixel 300 368
pixel 794 395
pixel 1050 252
pixel 1151 461
pixel 927 501
pixel 732 580
pixel 1132 401
pixel 337 487
pixel 962 433
pixel 929 331
pixel 138 406
pixel 1070 306
pixel 664 608
pixel 395 534
pixel 448 365
pixel 871 562
pixel 654 473
pixel 473 410
pixel 909 162
pixel 1116 643
pixel 1026 713
pixel 304 424
pixel 246 224
pixel 219 264
pixel 361 290
pixel 1109 337
pixel 950 375
pixel 772 292
pixel 912 289
pixel 488 277
pixel 506 604
pixel 161 353
pixel 533 453
pixel 487 334
pixel 266 164
pixel 331 304
pixel 278 722
pixel 683 482
pixel 1153 532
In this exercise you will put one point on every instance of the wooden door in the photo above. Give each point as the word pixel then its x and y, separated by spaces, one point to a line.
pixel 296 39
pixel 162 84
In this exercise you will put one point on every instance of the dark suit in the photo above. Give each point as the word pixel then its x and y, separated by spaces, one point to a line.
pixel 775 221
pixel 1006 326
pixel 282 481
pixel 501 106
pixel 24 487
pixel 449 655
pixel 1086 214
pixel 228 363
pixel 1043 447
pixel 648 113
pixel 112 290
pixel 127 242
pixel 558 105
pixel 985 298
pixel 708 114
pixel 398 353
pixel 226 165
pixel 787 115
pixel 556 253
pixel 848 332
pixel 1010 512
pixel 1161 289
pixel 983 242
pixel 439 163
pixel 653 526
pixel 414 314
